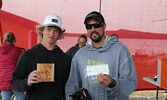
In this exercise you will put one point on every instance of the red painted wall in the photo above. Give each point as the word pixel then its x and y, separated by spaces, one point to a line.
pixel 0 24
pixel 23 29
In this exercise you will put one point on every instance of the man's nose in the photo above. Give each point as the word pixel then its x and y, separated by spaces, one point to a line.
pixel 52 32
pixel 93 28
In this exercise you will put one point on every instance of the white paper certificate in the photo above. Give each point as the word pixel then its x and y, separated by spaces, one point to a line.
pixel 96 69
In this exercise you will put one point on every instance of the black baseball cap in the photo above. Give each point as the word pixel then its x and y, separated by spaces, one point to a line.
pixel 95 15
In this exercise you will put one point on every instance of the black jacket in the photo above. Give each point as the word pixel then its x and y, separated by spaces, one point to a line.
pixel 71 52
pixel 44 90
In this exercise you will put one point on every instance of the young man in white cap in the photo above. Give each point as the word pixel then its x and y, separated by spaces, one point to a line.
pixel 47 54
pixel 104 66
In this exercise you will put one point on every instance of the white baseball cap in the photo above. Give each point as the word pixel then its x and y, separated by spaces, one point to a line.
pixel 52 20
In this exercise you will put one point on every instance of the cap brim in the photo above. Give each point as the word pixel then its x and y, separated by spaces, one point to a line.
pixel 52 25
pixel 96 18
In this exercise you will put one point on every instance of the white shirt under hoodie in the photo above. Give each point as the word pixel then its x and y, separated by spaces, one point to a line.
pixel 121 69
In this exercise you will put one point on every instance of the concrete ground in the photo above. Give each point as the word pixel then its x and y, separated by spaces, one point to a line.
pixel 148 95
pixel 144 95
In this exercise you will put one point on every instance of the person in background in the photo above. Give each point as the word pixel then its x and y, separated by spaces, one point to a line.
pixel 104 66
pixel 9 54
pixel 81 43
pixel 27 78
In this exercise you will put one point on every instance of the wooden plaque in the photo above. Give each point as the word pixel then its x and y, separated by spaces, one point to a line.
pixel 46 71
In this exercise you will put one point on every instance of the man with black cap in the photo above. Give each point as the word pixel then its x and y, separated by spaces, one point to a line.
pixel 104 66
pixel 43 70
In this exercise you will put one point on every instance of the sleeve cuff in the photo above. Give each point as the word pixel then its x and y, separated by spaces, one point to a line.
pixel 112 84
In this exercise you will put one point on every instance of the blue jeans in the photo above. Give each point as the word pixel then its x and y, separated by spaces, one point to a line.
pixel 6 94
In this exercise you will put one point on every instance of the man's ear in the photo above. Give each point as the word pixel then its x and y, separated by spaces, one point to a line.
pixel 78 40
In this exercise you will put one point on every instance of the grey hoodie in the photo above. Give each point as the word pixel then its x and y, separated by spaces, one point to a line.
pixel 121 68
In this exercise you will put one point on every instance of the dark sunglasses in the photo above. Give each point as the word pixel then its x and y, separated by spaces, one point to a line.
pixel 96 25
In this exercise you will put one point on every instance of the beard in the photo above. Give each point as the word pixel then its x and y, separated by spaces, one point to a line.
pixel 98 39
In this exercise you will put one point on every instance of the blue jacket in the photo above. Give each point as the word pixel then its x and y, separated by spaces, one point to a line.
pixel 121 68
